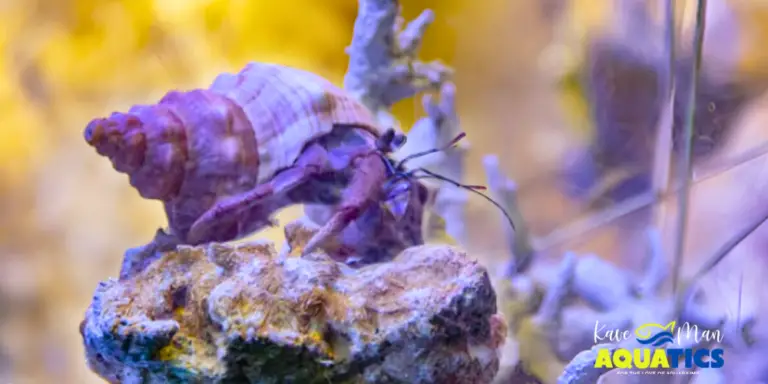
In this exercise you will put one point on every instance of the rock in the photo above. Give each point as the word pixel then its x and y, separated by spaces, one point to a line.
pixel 243 313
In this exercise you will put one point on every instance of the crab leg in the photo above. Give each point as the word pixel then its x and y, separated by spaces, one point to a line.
pixel 314 160
pixel 135 259
pixel 369 174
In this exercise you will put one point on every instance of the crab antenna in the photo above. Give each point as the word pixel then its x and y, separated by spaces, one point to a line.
pixel 387 163
pixel 450 144
pixel 384 141
pixel 472 188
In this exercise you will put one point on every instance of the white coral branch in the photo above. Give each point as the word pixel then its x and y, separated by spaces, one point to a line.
pixel 504 191
pixel 383 68
pixel 656 269
pixel 439 127
pixel 581 370
pixel 552 305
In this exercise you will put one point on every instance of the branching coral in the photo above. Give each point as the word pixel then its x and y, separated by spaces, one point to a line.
pixel 383 68
pixel 554 316
pixel 625 108
pixel 440 126
pixel 555 309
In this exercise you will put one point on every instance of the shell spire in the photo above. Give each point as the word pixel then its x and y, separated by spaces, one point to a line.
pixel 148 144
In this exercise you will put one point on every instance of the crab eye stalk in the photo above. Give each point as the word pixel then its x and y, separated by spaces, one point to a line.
pixel 398 141
pixel 384 143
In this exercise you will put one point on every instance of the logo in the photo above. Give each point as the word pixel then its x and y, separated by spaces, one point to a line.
pixel 664 348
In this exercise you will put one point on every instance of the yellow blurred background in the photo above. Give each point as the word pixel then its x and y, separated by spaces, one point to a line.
pixel 66 217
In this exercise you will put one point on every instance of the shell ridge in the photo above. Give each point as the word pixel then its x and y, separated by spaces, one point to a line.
pixel 273 147
pixel 311 120
pixel 287 108
pixel 195 108
pixel 244 90
pixel 165 152
pixel 297 120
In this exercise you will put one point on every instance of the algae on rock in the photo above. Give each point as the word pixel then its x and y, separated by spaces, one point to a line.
pixel 244 313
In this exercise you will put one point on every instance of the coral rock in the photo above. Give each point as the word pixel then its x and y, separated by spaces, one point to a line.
pixel 243 313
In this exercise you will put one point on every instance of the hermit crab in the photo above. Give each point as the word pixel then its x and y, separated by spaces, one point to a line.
pixel 224 159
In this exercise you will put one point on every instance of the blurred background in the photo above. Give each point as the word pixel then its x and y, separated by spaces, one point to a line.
pixel 66 216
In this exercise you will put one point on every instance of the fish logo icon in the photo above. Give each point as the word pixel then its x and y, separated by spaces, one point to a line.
pixel 664 336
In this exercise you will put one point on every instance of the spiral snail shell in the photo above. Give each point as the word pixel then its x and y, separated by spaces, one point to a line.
pixel 250 124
